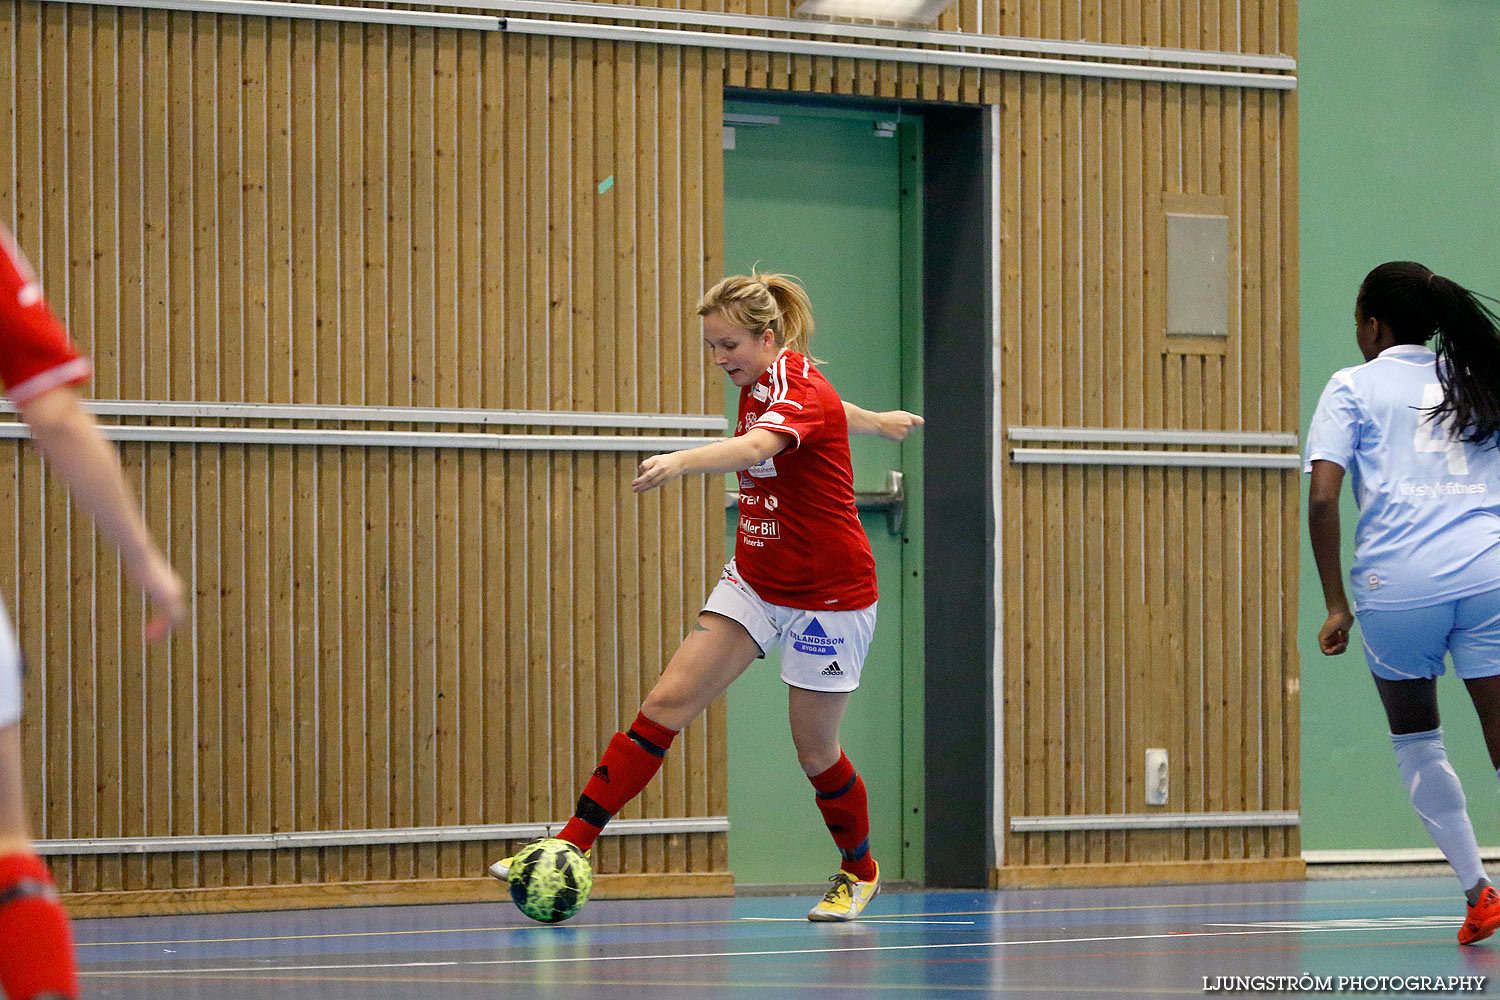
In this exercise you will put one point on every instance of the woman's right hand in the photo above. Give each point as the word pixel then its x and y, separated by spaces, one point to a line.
pixel 1333 637
pixel 80 456
pixel 658 470
pixel 164 588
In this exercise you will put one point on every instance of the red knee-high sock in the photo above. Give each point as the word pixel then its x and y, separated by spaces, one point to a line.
pixel 36 944
pixel 630 762
pixel 846 811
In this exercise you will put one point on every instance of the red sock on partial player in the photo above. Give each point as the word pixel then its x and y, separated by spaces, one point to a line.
pixel 36 943
pixel 846 812
pixel 630 762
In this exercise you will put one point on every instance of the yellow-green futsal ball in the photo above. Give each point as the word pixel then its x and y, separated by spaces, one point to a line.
pixel 550 880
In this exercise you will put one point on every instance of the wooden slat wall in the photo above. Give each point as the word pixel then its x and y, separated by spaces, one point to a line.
pixel 230 208
pixel 1147 607
pixel 1143 607
pixel 246 209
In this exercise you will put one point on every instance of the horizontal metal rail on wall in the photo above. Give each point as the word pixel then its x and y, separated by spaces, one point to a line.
pixel 1128 435
pixel 309 11
pixel 720 40
pixel 1197 459
pixel 382 439
pixel 1388 855
pixel 1154 457
pixel 911 36
pixel 399 414
pixel 337 437
pixel 1152 821
pixel 882 53
pixel 364 838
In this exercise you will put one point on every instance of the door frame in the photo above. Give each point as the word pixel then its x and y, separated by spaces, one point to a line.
pixel 911 150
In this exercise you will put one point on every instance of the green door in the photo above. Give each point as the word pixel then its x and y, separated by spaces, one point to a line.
pixel 833 197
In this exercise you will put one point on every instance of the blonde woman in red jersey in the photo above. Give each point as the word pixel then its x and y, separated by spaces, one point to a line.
pixel 39 367
pixel 802 577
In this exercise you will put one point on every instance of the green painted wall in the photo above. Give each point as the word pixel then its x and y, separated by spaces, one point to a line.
pixel 1400 159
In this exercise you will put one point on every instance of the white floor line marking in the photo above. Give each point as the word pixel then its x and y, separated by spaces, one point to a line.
pixel 1101 939
pixel 541 928
pixel 863 920
pixel 1355 923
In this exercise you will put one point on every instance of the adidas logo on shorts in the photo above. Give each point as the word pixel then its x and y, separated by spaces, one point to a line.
pixel 832 670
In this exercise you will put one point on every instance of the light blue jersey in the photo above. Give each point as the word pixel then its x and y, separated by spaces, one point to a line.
pixel 1429 506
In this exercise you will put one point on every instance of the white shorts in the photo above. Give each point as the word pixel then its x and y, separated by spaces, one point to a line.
pixel 820 650
pixel 10 672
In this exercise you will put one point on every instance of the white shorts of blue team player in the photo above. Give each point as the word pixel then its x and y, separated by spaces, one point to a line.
pixel 1409 644
pixel 10 672
pixel 820 650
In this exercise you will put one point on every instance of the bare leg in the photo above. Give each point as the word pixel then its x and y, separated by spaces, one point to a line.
pixel 1485 693
pixel 1410 706
pixel 14 834
pixel 815 718
pixel 715 652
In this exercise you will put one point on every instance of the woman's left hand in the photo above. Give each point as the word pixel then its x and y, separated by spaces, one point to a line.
pixel 658 470
pixel 1333 637
pixel 894 425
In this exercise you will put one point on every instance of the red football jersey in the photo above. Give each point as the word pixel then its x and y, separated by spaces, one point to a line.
pixel 799 542
pixel 35 352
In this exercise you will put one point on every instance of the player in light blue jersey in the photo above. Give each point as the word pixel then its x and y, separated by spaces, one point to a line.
pixel 1417 430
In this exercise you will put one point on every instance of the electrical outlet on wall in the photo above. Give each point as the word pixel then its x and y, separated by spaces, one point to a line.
pixel 1156 777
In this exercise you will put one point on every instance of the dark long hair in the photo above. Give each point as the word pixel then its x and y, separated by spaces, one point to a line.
pixel 1418 305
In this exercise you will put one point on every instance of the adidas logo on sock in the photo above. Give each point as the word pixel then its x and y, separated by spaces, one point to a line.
pixel 832 670
pixel 602 773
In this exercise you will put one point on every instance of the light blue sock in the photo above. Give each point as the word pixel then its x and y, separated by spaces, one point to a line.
pixel 1439 799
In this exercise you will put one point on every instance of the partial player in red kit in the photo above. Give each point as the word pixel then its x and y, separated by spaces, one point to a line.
pixel 802 578
pixel 39 367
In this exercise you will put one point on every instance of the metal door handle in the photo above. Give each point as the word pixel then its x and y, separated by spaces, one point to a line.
pixel 892 500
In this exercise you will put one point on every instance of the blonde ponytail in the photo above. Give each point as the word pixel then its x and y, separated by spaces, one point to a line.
pixel 757 302
pixel 795 307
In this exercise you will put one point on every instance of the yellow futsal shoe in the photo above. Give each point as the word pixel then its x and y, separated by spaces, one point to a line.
pixel 501 869
pixel 848 897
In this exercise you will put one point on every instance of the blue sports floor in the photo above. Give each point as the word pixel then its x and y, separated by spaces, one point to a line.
pixel 1156 942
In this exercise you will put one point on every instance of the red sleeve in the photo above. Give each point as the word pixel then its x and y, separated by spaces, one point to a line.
pixel 36 355
pixel 794 408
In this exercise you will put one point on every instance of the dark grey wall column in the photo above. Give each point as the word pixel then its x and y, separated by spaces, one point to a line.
pixel 956 472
